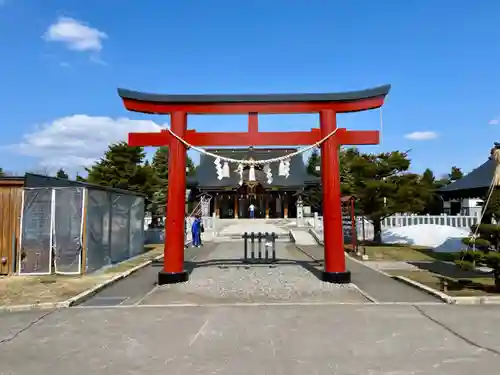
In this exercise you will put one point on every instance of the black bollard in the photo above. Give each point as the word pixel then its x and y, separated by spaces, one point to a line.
pixel 260 246
pixel 266 241
pixel 252 238
pixel 245 246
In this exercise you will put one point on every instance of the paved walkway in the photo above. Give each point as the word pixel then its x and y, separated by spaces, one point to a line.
pixel 303 237
pixel 240 226
pixel 375 284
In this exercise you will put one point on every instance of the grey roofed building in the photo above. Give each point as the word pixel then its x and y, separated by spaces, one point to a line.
pixel 472 185
pixel 206 175
pixel 230 200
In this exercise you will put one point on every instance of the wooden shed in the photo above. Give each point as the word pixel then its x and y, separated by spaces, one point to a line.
pixel 11 189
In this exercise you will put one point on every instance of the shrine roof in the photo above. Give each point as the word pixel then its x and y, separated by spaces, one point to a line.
pixel 255 98
pixel 472 185
pixel 206 175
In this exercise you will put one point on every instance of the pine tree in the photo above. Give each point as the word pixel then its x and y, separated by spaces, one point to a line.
pixel 314 163
pixel 434 204
pixel 1 172
pixel 123 167
pixel 383 186
pixel 455 174
pixel 62 174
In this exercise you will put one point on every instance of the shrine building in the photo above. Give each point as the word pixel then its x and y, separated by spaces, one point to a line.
pixel 232 193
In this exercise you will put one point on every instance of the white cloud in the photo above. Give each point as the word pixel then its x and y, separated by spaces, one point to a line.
pixel 495 121
pixel 79 140
pixel 76 35
pixel 421 136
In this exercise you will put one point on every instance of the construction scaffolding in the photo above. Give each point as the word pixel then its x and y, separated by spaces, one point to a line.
pixel 78 229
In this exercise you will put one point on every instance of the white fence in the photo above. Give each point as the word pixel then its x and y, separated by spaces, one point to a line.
pixel 402 220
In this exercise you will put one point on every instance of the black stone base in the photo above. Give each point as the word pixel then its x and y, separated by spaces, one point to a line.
pixel 337 277
pixel 172 278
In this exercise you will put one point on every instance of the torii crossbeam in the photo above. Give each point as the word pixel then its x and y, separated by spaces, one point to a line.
pixel 327 105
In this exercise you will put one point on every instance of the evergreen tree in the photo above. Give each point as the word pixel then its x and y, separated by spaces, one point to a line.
pixel 62 174
pixel 80 178
pixel 123 167
pixel 455 174
pixel 434 204
pixel 313 163
pixel 382 185
pixel 160 164
pixel 428 177
pixel 1 172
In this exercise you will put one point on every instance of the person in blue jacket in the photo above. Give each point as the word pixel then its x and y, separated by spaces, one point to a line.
pixel 196 231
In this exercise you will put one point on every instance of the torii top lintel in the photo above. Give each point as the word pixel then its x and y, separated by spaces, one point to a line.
pixel 343 102
pixel 253 105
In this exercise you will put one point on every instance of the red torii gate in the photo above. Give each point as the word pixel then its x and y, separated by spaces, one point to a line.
pixel 327 105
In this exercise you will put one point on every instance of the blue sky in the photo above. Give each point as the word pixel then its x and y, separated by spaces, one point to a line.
pixel 63 60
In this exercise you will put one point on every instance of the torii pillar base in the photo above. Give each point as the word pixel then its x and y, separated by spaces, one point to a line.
pixel 172 277
pixel 336 277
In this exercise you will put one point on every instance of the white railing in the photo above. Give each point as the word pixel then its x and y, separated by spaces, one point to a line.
pixel 402 220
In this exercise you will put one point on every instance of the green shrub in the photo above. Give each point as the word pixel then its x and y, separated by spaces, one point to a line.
pixel 483 250
pixel 481 243
pixel 465 265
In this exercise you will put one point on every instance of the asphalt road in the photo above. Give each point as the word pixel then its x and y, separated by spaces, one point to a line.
pixel 286 339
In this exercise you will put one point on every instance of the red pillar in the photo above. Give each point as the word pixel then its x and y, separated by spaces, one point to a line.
pixel 335 269
pixel 173 261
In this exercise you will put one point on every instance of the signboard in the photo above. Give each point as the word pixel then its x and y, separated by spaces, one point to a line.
pixel 347 226
pixel 347 222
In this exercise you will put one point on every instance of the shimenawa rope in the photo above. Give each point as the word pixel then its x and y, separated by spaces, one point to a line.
pixel 252 162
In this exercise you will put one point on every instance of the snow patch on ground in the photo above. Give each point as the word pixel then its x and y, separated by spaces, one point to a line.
pixel 438 237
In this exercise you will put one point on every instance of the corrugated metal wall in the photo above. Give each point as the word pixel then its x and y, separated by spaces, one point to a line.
pixel 10 211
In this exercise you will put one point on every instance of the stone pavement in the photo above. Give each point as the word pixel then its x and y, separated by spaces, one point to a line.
pixel 238 227
pixel 303 237
pixel 283 339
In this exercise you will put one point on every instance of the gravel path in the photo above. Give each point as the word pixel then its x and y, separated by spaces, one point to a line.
pixel 215 280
